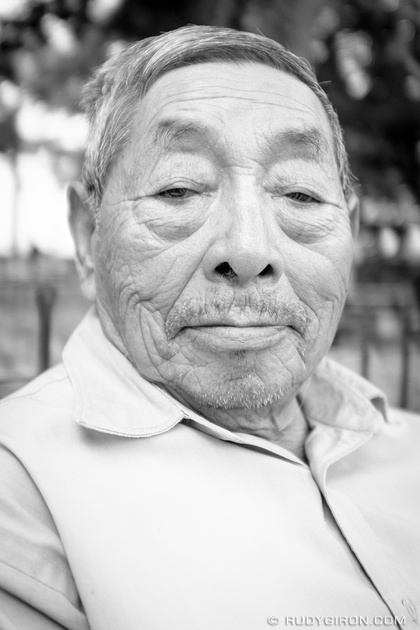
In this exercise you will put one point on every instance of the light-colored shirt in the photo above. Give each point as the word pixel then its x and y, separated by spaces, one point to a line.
pixel 121 509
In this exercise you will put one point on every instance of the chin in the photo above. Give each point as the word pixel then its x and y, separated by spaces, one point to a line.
pixel 248 391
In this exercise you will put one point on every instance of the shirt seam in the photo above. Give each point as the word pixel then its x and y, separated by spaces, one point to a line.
pixel 27 546
pixel 33 579
pixel 34 391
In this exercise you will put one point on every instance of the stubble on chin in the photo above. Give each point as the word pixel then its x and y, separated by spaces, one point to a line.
pixel 241 387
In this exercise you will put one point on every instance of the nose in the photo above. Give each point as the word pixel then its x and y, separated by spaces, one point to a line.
pixel 245 247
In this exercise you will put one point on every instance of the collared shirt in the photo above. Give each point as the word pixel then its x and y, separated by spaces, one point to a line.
pixel 191 526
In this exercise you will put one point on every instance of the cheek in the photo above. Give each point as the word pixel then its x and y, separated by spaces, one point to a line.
pixel 139 266
pixel 321 251
pixel 321 274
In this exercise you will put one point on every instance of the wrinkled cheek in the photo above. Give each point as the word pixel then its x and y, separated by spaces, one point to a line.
pixel 159 270
pixel 123 279
pixel 322 289
pixel 321 279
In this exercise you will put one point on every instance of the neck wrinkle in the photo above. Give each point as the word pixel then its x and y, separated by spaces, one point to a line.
pixel 282 425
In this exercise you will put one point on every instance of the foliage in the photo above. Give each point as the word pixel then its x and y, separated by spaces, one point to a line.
pixel 366 53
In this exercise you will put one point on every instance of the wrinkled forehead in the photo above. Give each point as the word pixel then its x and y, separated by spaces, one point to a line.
pixel 208 100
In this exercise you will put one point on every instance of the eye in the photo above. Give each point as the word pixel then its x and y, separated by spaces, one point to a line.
pixel 302 197
pixel 176 193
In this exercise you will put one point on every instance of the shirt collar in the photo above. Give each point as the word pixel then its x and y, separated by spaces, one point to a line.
pixel 110 396
pixel 343 411
pixel 338 397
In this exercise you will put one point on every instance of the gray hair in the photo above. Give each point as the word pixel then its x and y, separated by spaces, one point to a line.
pixel 111 96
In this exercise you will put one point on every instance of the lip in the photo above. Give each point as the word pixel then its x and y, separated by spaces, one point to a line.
pixel 229 338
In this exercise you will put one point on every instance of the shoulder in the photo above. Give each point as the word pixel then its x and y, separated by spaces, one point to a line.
pixel 43 385
pixel 407 420
pixel 397 447
pixel 48 395
pixel 385 471
pixel 400 436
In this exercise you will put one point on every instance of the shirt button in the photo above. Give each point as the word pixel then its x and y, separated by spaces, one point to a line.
pixel 412 610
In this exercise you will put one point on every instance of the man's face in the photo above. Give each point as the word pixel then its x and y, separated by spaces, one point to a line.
pixel 223 248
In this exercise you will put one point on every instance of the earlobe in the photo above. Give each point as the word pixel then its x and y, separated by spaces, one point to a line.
pixel 353 205
pixel 82 227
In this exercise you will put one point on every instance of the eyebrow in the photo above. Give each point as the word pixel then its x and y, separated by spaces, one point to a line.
pixel 172 131
pixel 309 142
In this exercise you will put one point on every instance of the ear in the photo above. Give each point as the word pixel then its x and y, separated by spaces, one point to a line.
pixel 82 227
pixel 353 205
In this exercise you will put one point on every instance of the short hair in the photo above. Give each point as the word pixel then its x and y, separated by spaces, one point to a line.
pixel 111 96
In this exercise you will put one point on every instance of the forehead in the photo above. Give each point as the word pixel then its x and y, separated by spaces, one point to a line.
pixel 229 97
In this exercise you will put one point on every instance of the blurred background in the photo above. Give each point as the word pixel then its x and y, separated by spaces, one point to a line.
pixel 366 54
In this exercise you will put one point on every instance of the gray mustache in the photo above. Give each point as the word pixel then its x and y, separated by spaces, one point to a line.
pixel 250 310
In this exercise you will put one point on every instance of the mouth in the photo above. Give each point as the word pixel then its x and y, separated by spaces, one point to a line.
pixel 229 338
pixel 238 325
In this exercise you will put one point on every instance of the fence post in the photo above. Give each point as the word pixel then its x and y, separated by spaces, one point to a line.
pixel 405 357
pixel 365 350
pixel 45 297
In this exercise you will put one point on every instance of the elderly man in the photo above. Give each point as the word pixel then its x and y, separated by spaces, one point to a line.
pixel 194 463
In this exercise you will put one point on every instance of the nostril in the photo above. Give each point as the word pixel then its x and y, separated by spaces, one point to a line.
pixel 266 271
pixel 224 269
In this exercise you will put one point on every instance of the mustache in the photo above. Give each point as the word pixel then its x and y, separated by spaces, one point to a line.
pixel 247 310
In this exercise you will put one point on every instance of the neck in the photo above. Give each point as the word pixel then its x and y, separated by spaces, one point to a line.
pixel 279 423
